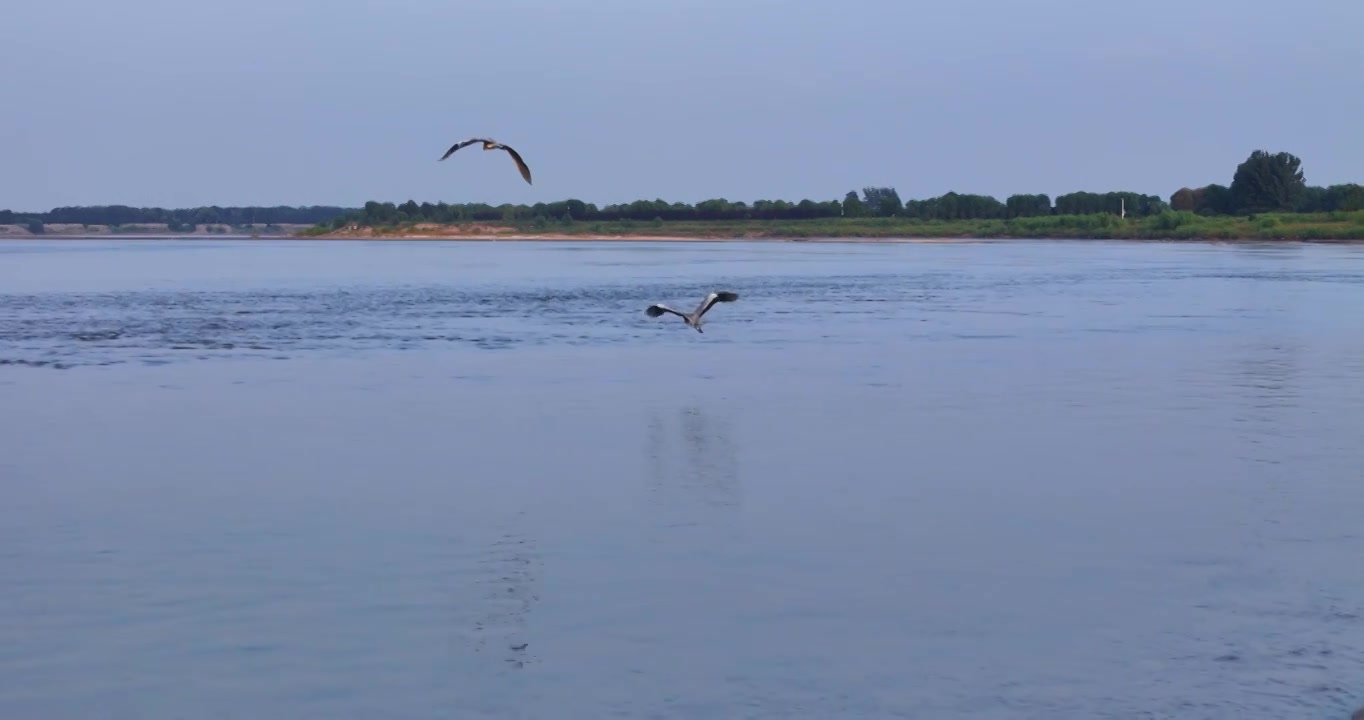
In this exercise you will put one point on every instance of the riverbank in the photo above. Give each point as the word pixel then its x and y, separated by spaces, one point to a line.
pixel 64 231
pixel 1339 226
pixel 513 233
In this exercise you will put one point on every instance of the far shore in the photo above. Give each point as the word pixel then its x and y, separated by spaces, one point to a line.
pixel 865 240
pixel 1285 228
pixel 616 238
pixel 78 231
pixel 1169 227
pixel 630 237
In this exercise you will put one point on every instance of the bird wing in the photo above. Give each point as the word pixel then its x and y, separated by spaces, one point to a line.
pixel 459 145
pixel 659 308
pixel 520 164
pixel 715 297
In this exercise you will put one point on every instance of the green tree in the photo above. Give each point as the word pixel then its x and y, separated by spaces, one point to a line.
pixel 882 201
pixel 1213 200
pixel 852 205
pixel 576 209
pixel 1027 205
pixel 1348 197
pixel 1267 183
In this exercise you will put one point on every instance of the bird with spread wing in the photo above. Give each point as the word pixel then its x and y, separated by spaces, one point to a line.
pixel 492 145
pixel 693 319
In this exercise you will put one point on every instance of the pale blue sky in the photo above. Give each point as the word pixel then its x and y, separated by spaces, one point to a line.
pixel 299 102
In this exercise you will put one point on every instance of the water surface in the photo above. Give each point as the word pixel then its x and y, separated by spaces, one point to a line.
pixel 278 479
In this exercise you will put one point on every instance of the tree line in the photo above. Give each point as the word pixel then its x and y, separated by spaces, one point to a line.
pixel 872 202
pixel 1264 182
pixel 181 219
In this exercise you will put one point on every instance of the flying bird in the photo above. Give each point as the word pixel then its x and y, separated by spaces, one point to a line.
pixel 492 145
pixel 694 319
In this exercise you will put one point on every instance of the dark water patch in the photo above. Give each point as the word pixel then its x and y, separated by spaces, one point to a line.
pixel 108 326
pixel 55 365
pixel 1313 277
pixel 105 323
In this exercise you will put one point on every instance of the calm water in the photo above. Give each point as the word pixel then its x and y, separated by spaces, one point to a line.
pixel 425 480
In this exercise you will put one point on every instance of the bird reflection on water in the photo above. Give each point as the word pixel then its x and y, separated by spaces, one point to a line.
pixel 696 481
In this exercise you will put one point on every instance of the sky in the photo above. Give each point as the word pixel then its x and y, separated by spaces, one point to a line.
pixel 336 102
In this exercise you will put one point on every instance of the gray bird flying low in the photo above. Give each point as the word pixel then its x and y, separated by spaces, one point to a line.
pixel 693 320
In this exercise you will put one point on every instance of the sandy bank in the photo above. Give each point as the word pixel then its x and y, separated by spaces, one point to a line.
pixel 585 237
pixel 498 233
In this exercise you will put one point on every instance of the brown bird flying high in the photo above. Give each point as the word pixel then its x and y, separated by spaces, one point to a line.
pixel 492 145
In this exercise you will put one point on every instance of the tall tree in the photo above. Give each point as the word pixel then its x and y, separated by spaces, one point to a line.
pixel 1267 183
pixel 852 205
pixel 883 201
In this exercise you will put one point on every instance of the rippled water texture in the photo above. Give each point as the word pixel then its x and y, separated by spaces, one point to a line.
pixel 271 479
